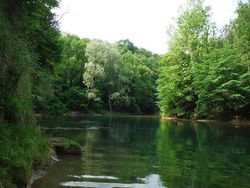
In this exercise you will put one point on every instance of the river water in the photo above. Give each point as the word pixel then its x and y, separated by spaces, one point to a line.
pixel 146 152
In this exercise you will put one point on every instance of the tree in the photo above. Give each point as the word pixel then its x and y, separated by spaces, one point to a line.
pixel 141 77
pixel 205 74
pixel 240 33
pixel 105 56
pixel 29 28
pixel 126 45
pixel 188 45
pixel 90 76
pixel 69 90
pixel 220 85
pixel 73 61
pixel 29 40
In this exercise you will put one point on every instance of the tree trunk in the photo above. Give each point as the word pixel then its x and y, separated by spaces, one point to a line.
pixel 110 104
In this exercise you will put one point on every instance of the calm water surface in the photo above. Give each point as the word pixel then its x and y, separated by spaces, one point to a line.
pixel 145 152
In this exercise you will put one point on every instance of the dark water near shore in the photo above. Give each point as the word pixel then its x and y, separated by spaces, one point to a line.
pixel 145 152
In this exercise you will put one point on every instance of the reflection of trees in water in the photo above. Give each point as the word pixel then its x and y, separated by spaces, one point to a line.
pixel 122 149
pixel 192 155
pixel 187 155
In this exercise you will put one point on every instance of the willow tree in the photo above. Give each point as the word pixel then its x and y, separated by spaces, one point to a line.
pixel 106 56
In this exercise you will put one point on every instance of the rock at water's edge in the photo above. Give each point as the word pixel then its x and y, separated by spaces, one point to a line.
pixel 41 170
pixel 65 146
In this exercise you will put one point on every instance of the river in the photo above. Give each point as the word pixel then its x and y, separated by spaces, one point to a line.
pixel 146 152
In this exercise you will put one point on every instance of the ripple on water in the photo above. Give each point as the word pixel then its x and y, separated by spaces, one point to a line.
pixel 95 177
pixel 151 181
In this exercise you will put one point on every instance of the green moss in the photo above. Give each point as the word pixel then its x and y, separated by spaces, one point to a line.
pixel 70 143
pixel 66 146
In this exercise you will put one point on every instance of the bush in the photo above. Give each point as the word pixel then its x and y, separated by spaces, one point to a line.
pixel 21 150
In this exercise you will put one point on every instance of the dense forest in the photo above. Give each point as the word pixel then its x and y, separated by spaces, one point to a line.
pixel 96 76
pixel 204 74
pixel 206 71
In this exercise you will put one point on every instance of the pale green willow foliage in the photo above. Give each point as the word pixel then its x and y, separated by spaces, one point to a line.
pixel 104 68
pixel 91 74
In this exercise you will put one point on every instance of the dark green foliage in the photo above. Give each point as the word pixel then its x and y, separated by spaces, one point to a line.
pixel 70 92
pixel 21 150
pixel 126 45
pixel 43 90
pixel 125 84
pixel 74 98
pixel 72 66
pixel 29 40
pixel 17 68
pixel 141 84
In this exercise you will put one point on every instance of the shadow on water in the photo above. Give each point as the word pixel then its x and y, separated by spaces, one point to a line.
pixel 146 152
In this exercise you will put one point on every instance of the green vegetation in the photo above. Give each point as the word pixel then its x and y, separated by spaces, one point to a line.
pixel 21 151
pixel 96 76
pixel 29 45
pixel 68 91
pixel 120 78
pixel 205 73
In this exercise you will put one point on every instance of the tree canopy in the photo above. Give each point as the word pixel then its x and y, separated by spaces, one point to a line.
pixel 205 73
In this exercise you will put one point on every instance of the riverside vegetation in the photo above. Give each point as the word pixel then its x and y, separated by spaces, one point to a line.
pixel 204 74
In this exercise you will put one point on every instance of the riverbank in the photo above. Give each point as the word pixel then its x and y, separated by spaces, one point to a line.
pixel 233 122
pixel 41 170
pixel 236 121
pixel 58 146
pixel 22 150
pixel 103 113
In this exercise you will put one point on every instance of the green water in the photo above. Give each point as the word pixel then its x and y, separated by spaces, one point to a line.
pixel 140 152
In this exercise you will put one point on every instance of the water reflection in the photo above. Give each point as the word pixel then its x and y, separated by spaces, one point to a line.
pixel 95 177
pixel 151 181
pixel 146 152
pixel 200 155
